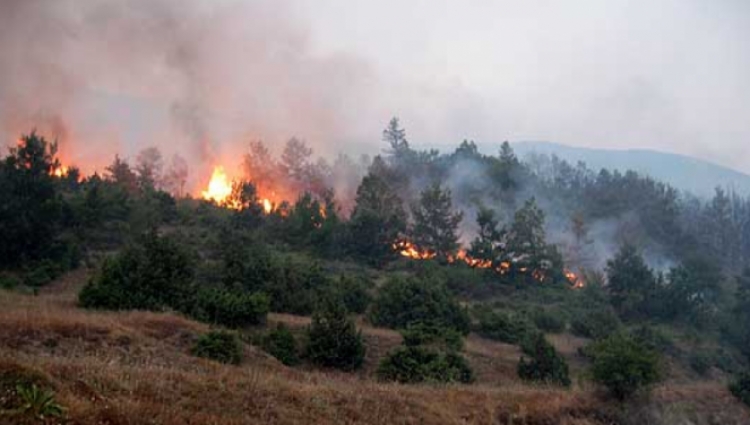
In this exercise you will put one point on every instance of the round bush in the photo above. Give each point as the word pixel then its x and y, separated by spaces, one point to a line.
pixel 221 346
pixel 422 364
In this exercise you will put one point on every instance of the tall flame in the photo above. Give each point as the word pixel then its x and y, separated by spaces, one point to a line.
pixel 219 187
pixel 60 171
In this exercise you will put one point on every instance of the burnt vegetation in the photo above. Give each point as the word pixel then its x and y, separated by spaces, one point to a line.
pixel 645 275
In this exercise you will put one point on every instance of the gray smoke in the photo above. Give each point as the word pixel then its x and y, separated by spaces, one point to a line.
pixel 198 78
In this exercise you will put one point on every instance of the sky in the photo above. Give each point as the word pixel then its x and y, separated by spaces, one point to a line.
pixel 204 78
pixel 670 75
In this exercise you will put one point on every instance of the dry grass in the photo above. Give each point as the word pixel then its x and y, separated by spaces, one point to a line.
pixel 135 368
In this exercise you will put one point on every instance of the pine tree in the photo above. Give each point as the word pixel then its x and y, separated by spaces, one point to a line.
pixel 377 222
pixel 333 339
pixel 631 281
pixel 435 222
pixel 488 245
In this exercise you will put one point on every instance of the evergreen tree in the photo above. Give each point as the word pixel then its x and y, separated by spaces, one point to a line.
pixel 377 222
pixel 120 173
pixel 149 165
pixel 395 136
pixel 435 223
pixel 30 210
pixel 488 245
pixel 333 339
pixel 631 282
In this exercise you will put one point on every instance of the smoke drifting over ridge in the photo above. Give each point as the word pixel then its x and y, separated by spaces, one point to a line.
pixel 197 78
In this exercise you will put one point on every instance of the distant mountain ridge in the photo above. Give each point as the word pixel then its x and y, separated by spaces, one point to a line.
pixel 686 173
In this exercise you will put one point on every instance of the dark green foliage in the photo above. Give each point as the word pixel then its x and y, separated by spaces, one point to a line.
pixel 245 264
pixel 545 364
pixel 30 211
pixel 653 338
pixel 281 344
pixel 595 324
pixel 700 363
pixel 333 339
pixel 740 388
pixel 233 309
pixel 377 222
pixel 9 281
pixel 624 365
pixel 221 346
pixel 38 403
pixel 631 283
pixel 353 292
pixel 413 364
pixel 402 302
pixel 504 327
pixel 488 245
pixel 548 321
pixel 422 334
pixel 692 292
pixel 435 223
pixel 154 275
pixel 296 286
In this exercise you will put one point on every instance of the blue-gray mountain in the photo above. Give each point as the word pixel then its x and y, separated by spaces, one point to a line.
pixel 686 173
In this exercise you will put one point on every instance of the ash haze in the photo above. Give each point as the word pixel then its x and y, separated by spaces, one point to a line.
pixel 204 78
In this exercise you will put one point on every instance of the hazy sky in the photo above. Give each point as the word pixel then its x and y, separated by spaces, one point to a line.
pixel 671 75
pixel 203 78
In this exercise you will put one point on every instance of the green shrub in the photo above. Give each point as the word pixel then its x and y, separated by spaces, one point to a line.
pixel 297 286
pixel 596 324
pixel 740 388
pixel 403 302
pixel 504 327
pixel 353 291
pixel 545 364
pixel 422 334
pixel 624 365
pixel 38 403
pixel 9 282
pixel 230 308
pixel 700 363
pixel 281 344
pixel 548 321
pixel 333 339
pixel 422 364
pixel 221 346
pixel 154 275
pixel 653 338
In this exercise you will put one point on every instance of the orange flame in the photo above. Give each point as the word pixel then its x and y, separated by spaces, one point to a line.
pixel 267 205
pixel 574 279
pixel 409 250
pixel 60 171
pixel 219 187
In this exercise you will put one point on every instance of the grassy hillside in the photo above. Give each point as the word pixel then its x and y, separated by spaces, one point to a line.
pixel 136 368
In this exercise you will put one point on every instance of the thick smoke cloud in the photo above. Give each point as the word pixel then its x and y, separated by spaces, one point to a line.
pixel 197 78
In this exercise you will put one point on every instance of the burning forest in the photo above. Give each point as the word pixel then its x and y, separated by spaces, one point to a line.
pixel 197 196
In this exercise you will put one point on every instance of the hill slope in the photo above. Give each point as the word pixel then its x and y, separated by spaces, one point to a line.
pixel 135 367
pixel 683 172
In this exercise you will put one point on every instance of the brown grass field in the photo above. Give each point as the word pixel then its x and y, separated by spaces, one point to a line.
pixel 135 368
